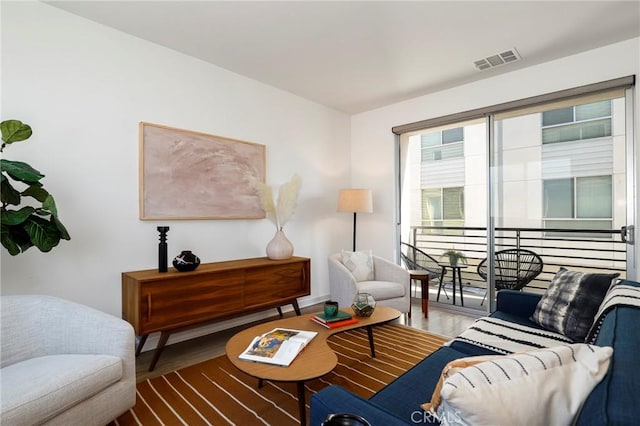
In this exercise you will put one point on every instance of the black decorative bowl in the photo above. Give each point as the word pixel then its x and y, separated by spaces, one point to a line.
pixel 186 261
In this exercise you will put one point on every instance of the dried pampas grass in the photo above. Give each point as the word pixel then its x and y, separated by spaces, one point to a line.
pixel 279 213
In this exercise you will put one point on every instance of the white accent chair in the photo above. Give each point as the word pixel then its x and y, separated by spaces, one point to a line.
pixel 63 363
pixel 389 287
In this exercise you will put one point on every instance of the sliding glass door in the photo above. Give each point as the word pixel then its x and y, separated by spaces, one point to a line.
pixel 444 204
pixel 559 181
pixel 546 182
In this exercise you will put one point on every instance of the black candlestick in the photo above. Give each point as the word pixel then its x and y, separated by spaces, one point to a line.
pixel 162 249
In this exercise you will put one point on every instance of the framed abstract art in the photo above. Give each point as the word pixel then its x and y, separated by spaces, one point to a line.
pixel 192 175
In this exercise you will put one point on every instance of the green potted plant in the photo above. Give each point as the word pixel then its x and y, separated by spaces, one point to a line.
pixel 455 256
pixel 29 214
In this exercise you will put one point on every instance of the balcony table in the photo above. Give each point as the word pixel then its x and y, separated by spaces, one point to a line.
pixel 455 272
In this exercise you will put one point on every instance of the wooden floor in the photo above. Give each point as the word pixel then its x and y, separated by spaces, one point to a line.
pixel 441 321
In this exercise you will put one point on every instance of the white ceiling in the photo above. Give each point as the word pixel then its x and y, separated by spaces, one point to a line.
pixel 355 56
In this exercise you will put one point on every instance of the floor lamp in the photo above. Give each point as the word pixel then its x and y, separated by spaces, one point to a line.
pixel 355 201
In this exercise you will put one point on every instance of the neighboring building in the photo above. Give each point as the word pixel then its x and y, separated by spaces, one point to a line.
pixel 560 169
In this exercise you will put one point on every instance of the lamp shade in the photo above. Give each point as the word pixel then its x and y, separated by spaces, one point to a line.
pixel 355 200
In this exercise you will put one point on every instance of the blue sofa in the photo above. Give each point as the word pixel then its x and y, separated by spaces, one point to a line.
pixel 614 401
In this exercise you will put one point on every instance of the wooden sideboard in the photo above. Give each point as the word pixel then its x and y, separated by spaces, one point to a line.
pixel 165 302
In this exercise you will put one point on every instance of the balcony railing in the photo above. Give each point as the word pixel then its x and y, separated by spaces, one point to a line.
pixel 603 251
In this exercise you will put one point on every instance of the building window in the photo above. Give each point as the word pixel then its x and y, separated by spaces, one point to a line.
pixel 442 144
pixel 578 203
pixel 578 122
pixel 443 207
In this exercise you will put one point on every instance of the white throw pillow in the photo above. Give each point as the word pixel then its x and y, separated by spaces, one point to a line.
pixel 359 263
pixel 546 387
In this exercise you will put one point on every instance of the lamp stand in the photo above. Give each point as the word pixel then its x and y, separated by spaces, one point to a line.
pixel 354 231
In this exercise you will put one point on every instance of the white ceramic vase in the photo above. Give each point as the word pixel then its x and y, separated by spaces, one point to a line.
pixel 279 248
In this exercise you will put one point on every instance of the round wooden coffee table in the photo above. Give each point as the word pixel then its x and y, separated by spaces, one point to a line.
pixel 315 360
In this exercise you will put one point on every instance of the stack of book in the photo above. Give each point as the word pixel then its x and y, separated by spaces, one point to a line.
pixel 339 320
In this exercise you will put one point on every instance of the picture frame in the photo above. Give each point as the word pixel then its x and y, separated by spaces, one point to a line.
pixel 188 175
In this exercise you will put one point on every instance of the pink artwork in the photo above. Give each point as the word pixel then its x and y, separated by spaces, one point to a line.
pixel 190 175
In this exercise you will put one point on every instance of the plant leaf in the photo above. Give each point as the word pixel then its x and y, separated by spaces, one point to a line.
pixel 14 131
pixel 16 217
pixel 15 239
pixel 63 231
pixel 43 234
pixel 8 194
pixel 8 243
pixel 50 205
pixel 36 191
pixel 20 171
pixel 11 247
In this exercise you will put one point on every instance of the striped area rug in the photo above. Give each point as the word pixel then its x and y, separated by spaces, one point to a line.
pixel 214 392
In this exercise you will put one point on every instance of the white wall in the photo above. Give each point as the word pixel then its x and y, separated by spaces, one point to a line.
pixel 372 143
pixel 84 88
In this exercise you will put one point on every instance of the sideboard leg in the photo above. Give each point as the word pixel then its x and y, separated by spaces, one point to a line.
pixel 296 307
pixel 143 340
pixel 164 336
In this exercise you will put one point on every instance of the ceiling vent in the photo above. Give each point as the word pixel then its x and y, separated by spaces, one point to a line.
pixel 493 61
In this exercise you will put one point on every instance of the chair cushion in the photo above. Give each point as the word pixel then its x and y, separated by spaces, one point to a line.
pixel 571 302
pixel 382 290
pixel 43 387
pixel 359 263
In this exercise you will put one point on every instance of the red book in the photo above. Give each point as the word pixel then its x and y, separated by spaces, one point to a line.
pixel 335 324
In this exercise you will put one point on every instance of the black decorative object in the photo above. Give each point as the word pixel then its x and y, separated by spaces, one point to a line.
pixel 162 249
pixel 186 261
pixel 345 419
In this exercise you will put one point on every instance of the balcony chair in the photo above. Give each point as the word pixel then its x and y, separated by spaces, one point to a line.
pixel 514 269
pixel 415 259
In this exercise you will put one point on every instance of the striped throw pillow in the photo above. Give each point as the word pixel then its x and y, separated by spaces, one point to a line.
pixel 545 387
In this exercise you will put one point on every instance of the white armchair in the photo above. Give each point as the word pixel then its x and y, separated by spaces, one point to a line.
pixel 389 286
pixel 63 363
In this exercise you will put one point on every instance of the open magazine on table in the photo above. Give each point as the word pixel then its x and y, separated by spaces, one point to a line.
pixel 279 346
